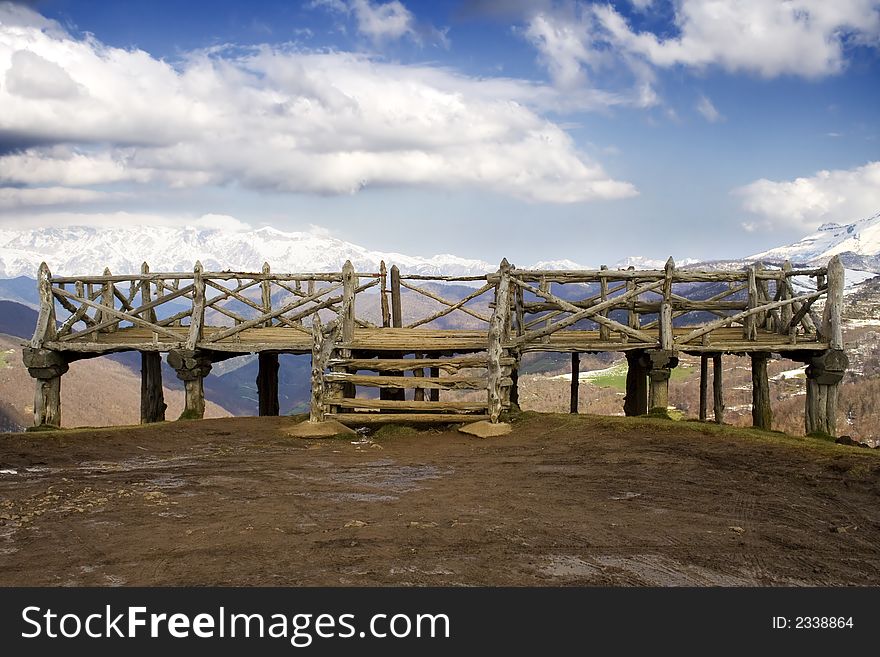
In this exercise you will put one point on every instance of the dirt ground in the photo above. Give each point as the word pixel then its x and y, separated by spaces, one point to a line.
pixel 564 500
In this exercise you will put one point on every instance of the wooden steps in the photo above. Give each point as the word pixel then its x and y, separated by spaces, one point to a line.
pixel 409 405
pixel 357 419
pixel 405 382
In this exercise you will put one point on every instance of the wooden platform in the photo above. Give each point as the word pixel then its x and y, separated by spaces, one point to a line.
pixel 287 340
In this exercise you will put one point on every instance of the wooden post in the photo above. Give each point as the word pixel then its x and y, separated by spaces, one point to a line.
pixel 198 311
pixel 750 328
pixel 266 293
pixel 47 367
pixel 383 295
pixel 636 400
pixel 191 367
pixel 824 374
pixel 717 388
pixel 146 295
pixel 396 322
pixel 514 384
pixel 396 311
pixel 785 311
pixel 497 326
pixel 659 364
pixel 46 327
pixel 632 316
pixel 418 393
pixel 267 383
pixel 107 300
pixel 603 290
pixel 704 387
pixel 832 327
pixel 316 407
pixel 152 395
pixel 575 381
pixel 762 416
pixel 667 338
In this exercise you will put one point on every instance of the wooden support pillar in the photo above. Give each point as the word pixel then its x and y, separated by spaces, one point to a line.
pixel 47 367
pixel 152 395
pixel 575 381
pixel 192 367
pixel 267 383
pixel 659 364
pixel 396 322
pixel 762 417
pixel 316 405
pixel 514 385
pixel 704 387
pixel 497 332
pixel 636 400
pixel 824 374
pixel 718 388
pixel 347 310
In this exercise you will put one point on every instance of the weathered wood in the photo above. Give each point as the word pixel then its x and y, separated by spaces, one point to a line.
pixel 498 331
pixel 197 320
pixel 451 306
pixel 358 419
pixel 146 295
pixel 404 382
pixel 153 404
pixel 396 309
pixel 587 313
pixel 106 317
pixel 749 319
pixel 47 402
pixel 636 400
pixel 45 328
pixel 704 387
pixel 401 364
pixel 832 327
pixel 434 393
pixel 718 388
pixel 415 405
pixel 603 293
pixel 316 406
pixel 575 382
pixel 711 326
pixel 383 295
pixel 785 289
pixel 762 415
pixel 267 384
pixel 220 335
pixel 266 293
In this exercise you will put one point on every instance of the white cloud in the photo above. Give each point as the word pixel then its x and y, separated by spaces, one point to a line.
pixel 384 20
pixel 15 197
pixel 841 195
pixel 770 38
pixel 278 119
pixel 708 110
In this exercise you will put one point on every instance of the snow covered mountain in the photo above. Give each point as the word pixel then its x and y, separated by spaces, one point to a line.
pixel 857 244
pixel 78 250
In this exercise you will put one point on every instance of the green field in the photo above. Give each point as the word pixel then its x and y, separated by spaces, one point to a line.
pixel 615 376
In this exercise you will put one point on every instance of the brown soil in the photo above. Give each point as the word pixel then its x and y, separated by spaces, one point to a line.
pixel 561 500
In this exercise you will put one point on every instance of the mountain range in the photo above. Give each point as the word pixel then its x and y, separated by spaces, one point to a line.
pixel 81 250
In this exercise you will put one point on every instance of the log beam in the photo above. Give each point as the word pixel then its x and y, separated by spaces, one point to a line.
pixel 47 367
pixel 762 416
pixel 153 404
pixel 267 383
pixel 192 367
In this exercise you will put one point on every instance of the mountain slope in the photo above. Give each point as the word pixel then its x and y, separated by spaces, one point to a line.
pixel 858 245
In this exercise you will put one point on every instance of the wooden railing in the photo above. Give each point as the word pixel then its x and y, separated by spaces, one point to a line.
pixel 648 305
pixel 162 302
pixel 664 309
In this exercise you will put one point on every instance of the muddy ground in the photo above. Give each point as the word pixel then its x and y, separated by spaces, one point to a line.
pixel 562 501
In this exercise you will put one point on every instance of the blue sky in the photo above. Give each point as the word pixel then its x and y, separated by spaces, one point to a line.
pixel 536 130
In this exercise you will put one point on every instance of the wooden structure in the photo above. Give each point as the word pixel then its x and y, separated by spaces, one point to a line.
pixel 652 316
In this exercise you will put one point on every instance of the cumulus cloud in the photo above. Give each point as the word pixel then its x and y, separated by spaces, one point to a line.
pixel 275 118
pixel 708 110
pixel 770 38
pixel 841 196
pixel 381 22
pixel 14 197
